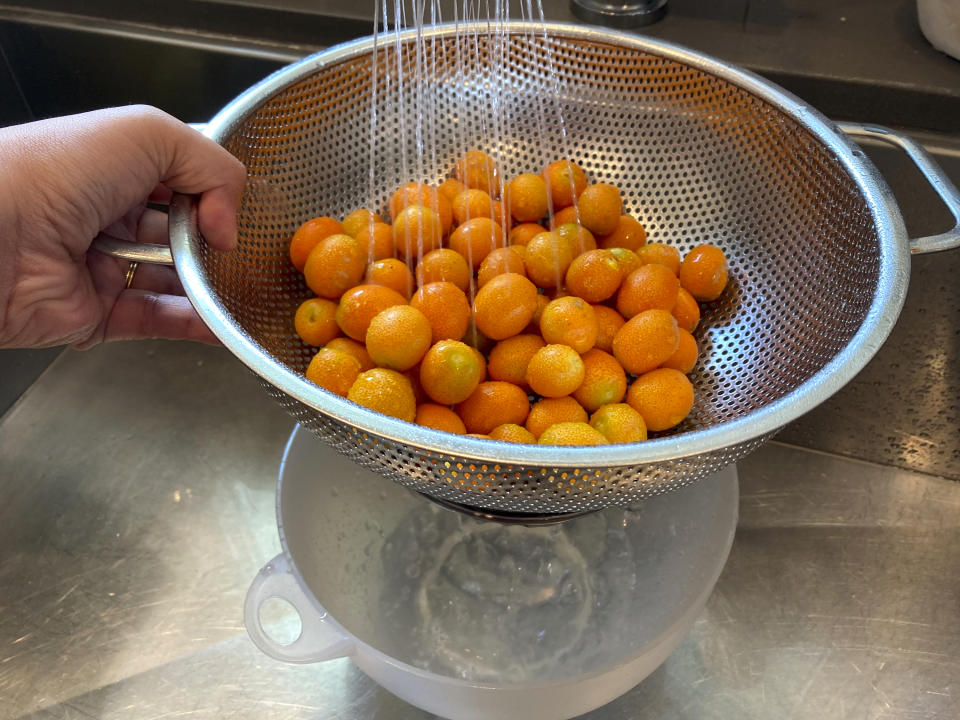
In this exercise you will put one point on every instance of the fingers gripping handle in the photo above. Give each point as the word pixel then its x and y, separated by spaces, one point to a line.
pixel 319 640
pixel 143 252
pixel 933 173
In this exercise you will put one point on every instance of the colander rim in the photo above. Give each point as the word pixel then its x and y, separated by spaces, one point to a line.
pixel 887 302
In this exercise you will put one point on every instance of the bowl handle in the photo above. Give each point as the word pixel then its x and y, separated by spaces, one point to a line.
pixel 930 170
pixel 319 640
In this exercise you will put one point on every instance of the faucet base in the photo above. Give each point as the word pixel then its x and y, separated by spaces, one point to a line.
pixel 635 13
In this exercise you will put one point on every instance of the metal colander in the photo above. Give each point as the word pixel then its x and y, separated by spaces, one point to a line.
pixel 702 152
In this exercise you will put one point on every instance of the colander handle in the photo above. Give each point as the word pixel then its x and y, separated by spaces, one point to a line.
pixel 134 252
pixel 319 640
pixel 928 167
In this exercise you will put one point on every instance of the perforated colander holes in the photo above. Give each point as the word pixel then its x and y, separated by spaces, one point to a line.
pixel 675 221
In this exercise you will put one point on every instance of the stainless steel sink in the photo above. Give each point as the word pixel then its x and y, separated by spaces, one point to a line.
pixel 137 478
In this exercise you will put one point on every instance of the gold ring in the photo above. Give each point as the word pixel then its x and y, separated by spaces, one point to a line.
pixel 131 270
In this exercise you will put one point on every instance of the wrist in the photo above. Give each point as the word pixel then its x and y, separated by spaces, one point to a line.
pixel 11 228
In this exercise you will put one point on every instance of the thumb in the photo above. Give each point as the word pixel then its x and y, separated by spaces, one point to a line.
pixel 191 163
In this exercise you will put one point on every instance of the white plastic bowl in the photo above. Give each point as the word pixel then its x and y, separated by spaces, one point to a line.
pixel 471 619
pixel 940 24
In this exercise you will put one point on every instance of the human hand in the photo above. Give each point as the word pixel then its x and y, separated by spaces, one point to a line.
pixel 66 180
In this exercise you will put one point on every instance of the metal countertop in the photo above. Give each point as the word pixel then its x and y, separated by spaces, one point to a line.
pixel 137 484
